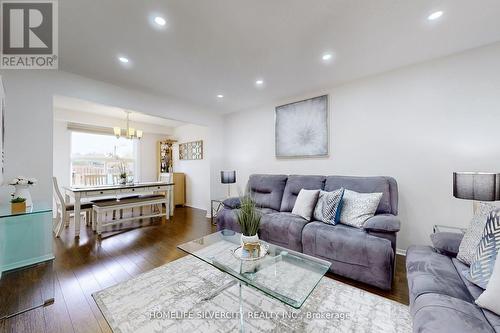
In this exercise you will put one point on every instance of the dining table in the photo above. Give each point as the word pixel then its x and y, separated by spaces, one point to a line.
pixel 116 191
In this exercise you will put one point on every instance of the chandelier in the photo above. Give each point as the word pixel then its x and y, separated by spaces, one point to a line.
pixel 129 132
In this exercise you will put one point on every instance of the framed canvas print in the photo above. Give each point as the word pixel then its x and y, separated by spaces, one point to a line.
pixel 301 128
pixel 2 131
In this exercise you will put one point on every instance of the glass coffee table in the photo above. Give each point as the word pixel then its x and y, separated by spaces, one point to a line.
pixel 286 275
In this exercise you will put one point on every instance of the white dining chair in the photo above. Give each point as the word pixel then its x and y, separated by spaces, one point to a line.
pixel 66 210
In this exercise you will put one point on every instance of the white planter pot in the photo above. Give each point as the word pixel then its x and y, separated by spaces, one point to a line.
pixel 23 192
pixel 249 239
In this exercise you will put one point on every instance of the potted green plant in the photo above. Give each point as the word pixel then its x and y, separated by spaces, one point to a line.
pixel 249 221
pixel 18 205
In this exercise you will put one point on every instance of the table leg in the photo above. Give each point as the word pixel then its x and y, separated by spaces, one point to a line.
pixel 77 216
pixel 167 203
pixel 67 199
pixel 242 318
pixel 221 289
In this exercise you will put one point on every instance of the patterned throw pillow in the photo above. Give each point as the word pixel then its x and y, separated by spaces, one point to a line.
pixel 486 253
pixel 328 207
pixel 472 237
pixel 358 207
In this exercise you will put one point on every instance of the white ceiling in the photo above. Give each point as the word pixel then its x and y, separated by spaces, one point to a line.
pixel 223 46
pixel 78 105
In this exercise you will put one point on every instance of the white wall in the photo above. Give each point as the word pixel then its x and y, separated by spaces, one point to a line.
pixel 29 120
pixel 417 124
pixel 197 171
pixel 147 146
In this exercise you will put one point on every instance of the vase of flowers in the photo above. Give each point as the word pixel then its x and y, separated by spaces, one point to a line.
pixel 123 173
pixel 22 185
pixel 249 221
pixel 18 205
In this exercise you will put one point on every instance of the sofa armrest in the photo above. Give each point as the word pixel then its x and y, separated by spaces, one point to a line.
pixel 447 243
pixel 383 223
pixel 232 203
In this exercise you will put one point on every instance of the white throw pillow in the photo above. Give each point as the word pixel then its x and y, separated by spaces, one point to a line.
pixel 358 207
pixel 305 203
pixel 490 299
pixel 474 233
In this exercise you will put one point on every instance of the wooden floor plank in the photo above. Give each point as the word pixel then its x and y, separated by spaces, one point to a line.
pixel 90 264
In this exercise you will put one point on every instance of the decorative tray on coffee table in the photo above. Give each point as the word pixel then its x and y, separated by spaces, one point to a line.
pixel 241 254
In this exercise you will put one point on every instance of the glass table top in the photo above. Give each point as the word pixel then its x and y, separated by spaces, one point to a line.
pixel 36 208
pixel 286 275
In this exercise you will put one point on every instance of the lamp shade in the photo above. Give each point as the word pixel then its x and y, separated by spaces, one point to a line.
pixel 480 186
pixel 228 177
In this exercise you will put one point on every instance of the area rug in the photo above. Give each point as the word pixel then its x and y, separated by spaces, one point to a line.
pixel 170 299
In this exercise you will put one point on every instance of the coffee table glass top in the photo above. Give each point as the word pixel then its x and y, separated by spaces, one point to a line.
pixel 286 275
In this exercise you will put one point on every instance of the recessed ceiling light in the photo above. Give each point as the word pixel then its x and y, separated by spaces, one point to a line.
pixel 259 82
pixel 435 15
pixel 220 96
pixel 160 21
pixel 327 56
pixel 123 60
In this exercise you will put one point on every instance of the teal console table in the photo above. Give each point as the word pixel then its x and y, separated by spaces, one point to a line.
pixel 26 276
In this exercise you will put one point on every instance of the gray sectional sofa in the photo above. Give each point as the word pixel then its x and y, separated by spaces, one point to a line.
pixel 441 298
pixel 365 255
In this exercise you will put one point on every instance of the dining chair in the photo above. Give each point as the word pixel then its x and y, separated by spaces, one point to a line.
pixel 66 210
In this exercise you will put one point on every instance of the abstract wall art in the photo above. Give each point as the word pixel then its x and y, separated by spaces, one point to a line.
pixel 301 128
pixel 191 150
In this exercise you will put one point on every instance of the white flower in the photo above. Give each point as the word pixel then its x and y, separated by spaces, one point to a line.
pixel 23 182
pixel 32 181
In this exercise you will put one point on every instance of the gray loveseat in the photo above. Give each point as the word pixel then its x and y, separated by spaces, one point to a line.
pixel 441 298
pixel 365 255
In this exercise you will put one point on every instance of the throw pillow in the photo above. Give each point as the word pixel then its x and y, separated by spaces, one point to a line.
pixel 481 267
pixel 489 298
pixel 358 207
pixel 305 203
pixel 472 237
pixel 329 206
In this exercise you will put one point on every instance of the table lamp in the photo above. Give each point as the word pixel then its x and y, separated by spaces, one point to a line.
pixel 228 177
pixel 477 186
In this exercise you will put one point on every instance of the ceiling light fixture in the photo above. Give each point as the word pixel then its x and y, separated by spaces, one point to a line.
pixel 129 132
pixel 327 56
pixel 123 60
pixel 259 82
pixel 160 21
pixel 220 96
pixel 435 15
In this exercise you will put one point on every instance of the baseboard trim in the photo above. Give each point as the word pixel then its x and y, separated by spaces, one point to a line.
pixel 401 252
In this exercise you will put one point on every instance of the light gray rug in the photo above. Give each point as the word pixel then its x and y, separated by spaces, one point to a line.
pixel 170 299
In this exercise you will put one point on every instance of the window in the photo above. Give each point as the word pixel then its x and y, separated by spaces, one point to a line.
pixel 96 158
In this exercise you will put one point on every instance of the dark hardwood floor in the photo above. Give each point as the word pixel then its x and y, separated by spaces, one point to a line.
pixel 88 264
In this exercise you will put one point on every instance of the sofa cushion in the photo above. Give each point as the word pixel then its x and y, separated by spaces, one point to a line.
pixel 267 190
pixel 305 203
pixel 489 300
pixel 474 232
pixel 358 207
pixel 481 267
pixel 431 272
pixel 353 252
pixel 385 185
pixel 475 292
pixel 283 229
pixel 339 242
pixel 443 313
pixel 293 186
pixel 329 206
